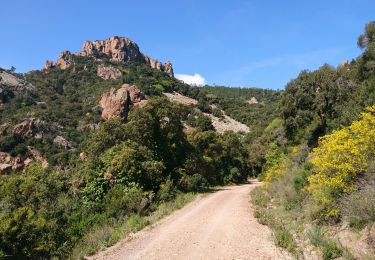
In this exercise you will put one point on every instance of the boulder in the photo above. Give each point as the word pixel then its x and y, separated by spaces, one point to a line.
pixel 108 72
pixel 115 103
pixel 82 156
pixel 252 101
pixel 135 94
pixel 5 158
pixel 62 142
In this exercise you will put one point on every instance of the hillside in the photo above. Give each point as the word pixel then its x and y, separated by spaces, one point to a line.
pixel 91 141
pixel 318 193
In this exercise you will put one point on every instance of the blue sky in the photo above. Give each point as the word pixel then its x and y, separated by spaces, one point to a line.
pixel 233 43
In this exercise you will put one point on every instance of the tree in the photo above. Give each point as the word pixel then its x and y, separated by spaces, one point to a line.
pixel 368 36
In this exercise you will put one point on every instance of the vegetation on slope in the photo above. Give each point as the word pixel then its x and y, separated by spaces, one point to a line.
pixel 323 173
pixel 114 177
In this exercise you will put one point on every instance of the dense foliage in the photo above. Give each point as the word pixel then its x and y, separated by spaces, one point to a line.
pixel 338 160
pixel 323 175
pixel 129 169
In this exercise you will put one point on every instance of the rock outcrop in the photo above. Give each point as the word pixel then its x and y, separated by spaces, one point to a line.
pixel 116 102
pixel 25 128
pixel 29 128
pixel 65 60
pixel 11 86
pixel 345 64
pixel 135 94
pixel 117 49
pixel 9 163
pixel 108 72
pixel 62 142
pixel 178 98
pixel 252 101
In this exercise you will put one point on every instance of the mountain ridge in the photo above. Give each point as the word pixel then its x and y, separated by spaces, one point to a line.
pixel 117 48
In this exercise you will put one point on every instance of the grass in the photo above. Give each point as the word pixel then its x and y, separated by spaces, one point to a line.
pixel 107 235
pixel 328 247
pixel 282 235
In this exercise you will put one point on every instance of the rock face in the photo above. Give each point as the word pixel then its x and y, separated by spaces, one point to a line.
pixel 108 72
pixel 117 49
pixel 10 86
pixel 115 103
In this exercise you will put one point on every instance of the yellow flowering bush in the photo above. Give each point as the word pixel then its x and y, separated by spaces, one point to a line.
pixel 276 171
pixel 338 159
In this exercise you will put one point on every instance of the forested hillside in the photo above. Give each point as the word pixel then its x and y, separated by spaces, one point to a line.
pixel 86 159
pixel 319 184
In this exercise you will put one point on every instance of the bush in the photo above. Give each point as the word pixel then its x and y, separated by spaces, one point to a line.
pixel 32 213
pixel 338 159
pixel 195 182
pixel 166 192
pixel 284 238
pixel 121 201
pixel 301 179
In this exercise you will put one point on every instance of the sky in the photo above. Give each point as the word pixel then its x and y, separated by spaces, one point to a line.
pixel 232 43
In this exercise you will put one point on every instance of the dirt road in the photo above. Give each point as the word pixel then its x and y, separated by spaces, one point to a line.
pixel 218 226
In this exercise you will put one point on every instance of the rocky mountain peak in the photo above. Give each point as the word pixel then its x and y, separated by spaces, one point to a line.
pixel 118 49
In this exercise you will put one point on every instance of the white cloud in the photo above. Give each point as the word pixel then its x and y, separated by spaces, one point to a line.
pixel 194 80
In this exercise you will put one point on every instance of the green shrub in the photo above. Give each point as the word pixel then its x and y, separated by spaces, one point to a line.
pixel 195 182
pixel 167 191
pixel 284 238
pixel 301 179
pixel 121 201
